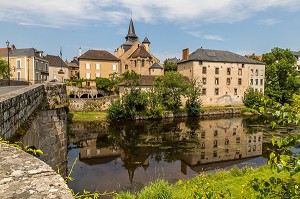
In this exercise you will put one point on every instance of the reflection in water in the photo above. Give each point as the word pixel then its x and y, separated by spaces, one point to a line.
pixel 119 155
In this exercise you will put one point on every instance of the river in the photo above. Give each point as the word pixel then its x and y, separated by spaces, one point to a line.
pixel 127 155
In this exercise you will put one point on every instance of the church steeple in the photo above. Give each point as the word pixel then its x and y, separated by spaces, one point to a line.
pixel 131 36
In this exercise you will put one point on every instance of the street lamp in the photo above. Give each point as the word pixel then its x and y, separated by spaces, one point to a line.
pixel 8 70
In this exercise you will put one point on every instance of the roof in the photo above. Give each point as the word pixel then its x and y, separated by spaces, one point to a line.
pixel 145 80
pixel 173 60
pixel 156 65
pixel 3 51
pixel 98 55
pixel 295 53
pixel 219 56
pixel 140 52
pixel 131 32
pixel 146 40
pixel 55 61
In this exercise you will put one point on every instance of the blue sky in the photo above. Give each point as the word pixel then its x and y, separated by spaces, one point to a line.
pixel 240 26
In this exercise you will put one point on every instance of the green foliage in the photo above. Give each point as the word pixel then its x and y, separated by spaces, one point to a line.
pixel 252 98
pixel 104 84
pixel 193 103
pixel 3 68
pixel 125 195
pixel 281 75
pixel 116 111
pixel 159 189
pixel 169 66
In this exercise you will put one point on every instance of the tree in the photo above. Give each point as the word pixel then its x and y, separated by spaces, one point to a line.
pixel 252 98
pixel 3 68
pixel 281 75
pixel 104 84
pixel 169 66
pixel 193 93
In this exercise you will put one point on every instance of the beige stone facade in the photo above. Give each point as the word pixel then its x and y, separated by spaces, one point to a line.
pixel 224 80
pixel 28 65
pixel 136 56
pixel 58 69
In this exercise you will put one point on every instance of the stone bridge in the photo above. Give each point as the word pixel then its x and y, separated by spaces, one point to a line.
pixel 36 116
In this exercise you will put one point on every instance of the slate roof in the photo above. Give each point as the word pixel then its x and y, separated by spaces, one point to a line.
pixel 140 52
pixel 156 66
pixel 173 60
pixel 296 53
pixel 98 55
pixel 219 56
pixel 146 40
pixel 145 80
pixel 55 61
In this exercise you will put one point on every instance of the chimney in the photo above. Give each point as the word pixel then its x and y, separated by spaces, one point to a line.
pixel 185 54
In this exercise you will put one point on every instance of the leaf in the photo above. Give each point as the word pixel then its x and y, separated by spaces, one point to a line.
pixel 280 168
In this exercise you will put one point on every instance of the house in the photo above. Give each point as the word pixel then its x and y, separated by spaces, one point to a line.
pixel 73 68
pixel 97 63
pixel 297 56
pixel 27 64
pixel 135 55
pixel 58 69
pixel 224 76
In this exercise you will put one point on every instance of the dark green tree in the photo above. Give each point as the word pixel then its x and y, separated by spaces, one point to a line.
pixel 104 84
pixel 3 68
pixel 193 93
pixel 252 98
pixel 281 75
pixel 169 66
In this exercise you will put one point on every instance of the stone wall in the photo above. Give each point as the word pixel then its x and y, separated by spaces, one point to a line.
pixel 87 105
pixel 4 82
pixel 24 176
pixel 16 107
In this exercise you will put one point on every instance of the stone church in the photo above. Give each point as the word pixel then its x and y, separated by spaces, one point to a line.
pixel 136 56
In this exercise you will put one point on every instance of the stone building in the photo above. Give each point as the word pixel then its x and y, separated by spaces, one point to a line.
pixel 73 68
pixel 97 63
pixel 58 69
pixel 27 64
pixel 224 76
pixel 135 55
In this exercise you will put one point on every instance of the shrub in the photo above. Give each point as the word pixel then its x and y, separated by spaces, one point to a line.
pixel 192 107
pixel 125 195
pixel 252 98
pixel 116 111
pixel 159 190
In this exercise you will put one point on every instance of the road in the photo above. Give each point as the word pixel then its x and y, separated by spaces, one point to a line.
pixel 7 89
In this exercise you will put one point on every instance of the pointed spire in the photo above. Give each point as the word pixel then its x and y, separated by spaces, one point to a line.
pixel 146 40
pixel 131 32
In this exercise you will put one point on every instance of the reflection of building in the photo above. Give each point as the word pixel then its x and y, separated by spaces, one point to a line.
pixel 222 140
pixel 223 75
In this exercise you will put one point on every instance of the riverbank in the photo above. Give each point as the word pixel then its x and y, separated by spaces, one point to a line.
pixel 235 183
pixel 206 112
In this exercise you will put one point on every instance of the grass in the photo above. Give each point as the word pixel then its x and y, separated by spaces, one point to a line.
pixel 223 184
pixel 87 116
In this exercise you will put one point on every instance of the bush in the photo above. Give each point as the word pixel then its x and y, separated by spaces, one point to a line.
pixel 116 111
pixel 252 98
pixel 125 195
pixel 193 107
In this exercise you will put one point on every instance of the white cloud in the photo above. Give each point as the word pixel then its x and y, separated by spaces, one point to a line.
pixel 206 36
pixel 60 13
pixel 268 22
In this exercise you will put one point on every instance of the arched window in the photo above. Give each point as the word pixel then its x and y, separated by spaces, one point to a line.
pixel 126 67
pixel 143 63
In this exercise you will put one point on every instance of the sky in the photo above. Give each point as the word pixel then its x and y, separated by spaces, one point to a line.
pixel 240 26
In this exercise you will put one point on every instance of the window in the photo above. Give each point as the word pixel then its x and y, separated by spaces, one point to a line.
pixel 36 76
pixel 88 75
pixel 46 67
pixel 134 63
pixel 18 63
pixel 243 65
pixel 114 67
pixel 215 132
pixel 238 140
pixel 143 63
pixel 97 74
pixel 226 150
pixel 256 72
pixel 217 81
pixel 204 81
pixel 87 66
pixel 234 131
pixel 240 71
pixel 251 81
pixel 228 71
pixel 202 155
pixel 216 91
pixel 202 145
pixel 19 75
pixel 261 82
pixel 36 64
pixel 228 81
pixel 261 72
pixel 204 70
pixel 226 141
pixel 203 135
pixel 215 154
pixel 239 81
pixel 217 71
pixel 126 67
pixel 256 82
pixel 215 143
pixel 251 71
pixel 235 91
pixel 203 91
pixel 97 66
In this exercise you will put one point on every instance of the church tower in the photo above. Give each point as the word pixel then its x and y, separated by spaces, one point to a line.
pixel 131 37
pixel 146 43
